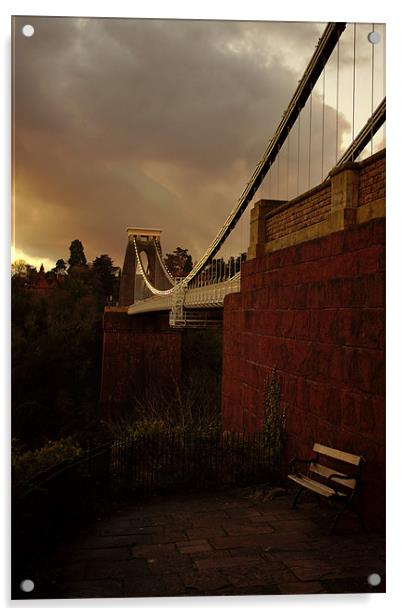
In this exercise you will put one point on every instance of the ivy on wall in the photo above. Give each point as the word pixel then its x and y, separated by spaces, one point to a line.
pixel 274 426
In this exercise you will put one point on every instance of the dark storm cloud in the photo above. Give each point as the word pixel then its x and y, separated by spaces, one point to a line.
pixel 138 122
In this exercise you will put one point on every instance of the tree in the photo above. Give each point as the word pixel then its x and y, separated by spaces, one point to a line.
pixel 19 268
pixel 56 355
pixel 104 276
pixel 60 266
pixel 179 263
pixel 23 274
pixel 77 255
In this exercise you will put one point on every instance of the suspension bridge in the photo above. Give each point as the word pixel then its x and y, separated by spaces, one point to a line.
pixel 303 294
pixel 336 116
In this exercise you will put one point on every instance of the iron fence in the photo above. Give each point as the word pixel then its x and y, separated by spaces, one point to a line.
pixel 71 493
pixel 161 462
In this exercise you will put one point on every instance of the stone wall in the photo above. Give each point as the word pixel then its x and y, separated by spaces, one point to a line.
pixel 372 179
pixel 140 353
pixel 304 212
pixel 315 310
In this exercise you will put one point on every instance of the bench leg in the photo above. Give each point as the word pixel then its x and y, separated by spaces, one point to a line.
pixel 336 520
pixel 359 517
pixel 338 515
pixel 296 498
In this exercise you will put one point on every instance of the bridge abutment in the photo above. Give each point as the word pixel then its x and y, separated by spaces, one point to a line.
pixel 141 357
pixel 312 305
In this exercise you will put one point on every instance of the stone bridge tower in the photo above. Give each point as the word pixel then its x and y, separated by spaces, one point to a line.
pixel 132 285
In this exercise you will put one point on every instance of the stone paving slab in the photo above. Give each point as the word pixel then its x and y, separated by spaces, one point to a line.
pixel 216 544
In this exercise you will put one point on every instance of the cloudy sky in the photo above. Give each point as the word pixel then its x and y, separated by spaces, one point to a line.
pixel 154 123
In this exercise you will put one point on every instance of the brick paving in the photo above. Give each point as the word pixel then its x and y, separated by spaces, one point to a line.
pixel 213 544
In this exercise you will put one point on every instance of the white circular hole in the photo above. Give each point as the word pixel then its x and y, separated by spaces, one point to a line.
pixel 374 37
pixel 374 579
pixel 28 30
pixel 27 585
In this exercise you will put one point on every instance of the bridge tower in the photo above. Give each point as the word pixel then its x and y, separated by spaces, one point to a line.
pixel 145 244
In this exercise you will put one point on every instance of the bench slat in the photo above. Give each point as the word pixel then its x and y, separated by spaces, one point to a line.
pixel 337 454
pixel 315 486
pixel 324 471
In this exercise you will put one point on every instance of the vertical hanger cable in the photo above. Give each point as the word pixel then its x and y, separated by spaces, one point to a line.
pixel 337 104
pixel 309 141
pixel 298 153
pixel 354 85
pixel 323 124
pixel 287 167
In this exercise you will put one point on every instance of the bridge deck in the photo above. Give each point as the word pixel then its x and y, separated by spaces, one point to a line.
pixel 210 296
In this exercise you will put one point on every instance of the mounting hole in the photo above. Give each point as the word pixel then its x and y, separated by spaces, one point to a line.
pixel 27 585
pixel 374 37
pixel 28 30
pixel 374 579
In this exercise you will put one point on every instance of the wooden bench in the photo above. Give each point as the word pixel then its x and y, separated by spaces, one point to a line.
pixel 326 482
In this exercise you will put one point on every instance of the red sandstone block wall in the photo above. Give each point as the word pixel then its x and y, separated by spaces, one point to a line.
pixel 311 209
pixel 316 312
pixel 140 354
pixel 315 206
pixel 372 180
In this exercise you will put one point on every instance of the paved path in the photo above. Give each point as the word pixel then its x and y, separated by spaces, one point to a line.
pixel 219 544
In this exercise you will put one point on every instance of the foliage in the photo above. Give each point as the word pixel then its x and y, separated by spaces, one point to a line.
pixel 23 274
pixel 19 268
pixel 162 412
pixel 60 266
pixel 274 426
pixel 27 464
pixel 179 263
pixel 104 277
pixel 192 405
pixel 77 255
pixel 56 357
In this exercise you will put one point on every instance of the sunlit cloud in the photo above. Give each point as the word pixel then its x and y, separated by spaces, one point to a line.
pixel 145 122
pixel 20 255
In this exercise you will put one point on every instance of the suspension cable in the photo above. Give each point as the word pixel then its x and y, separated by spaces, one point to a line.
pixel 277 173
pixel 298 154
pixel 143 274
pixel 337 103
pixel 354 84
pixel 374 124
pixel 325 45
pixel 323 124
pixel 162 264
pixel 324 48
pixel 372 87
pixel 287 166
pixel 309 140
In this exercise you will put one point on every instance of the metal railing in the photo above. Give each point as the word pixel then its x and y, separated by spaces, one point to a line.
pixel 66 496
pixel 163 462
pixel 209 296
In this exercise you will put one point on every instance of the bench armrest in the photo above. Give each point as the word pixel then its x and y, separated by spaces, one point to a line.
pixel 293 461
pixel 336 476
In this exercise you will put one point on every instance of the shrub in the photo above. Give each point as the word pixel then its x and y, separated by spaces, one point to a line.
pixel 26 465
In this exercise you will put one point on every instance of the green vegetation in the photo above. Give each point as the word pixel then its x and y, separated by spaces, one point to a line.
pixel 274 414
pixel 56 348
pixel 179 262
pixel 27 465
pixel 194 405
pixel 77 255
pixel 57 354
